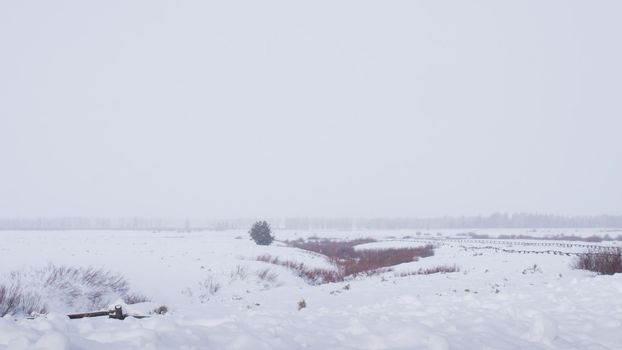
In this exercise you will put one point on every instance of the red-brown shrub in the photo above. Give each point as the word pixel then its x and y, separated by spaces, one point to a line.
pixel 368 260
pixel 348 260
pixel 332 249
pixel 311 275
pixel 605 261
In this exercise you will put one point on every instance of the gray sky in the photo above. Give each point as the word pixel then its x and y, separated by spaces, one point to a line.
pixel 322 108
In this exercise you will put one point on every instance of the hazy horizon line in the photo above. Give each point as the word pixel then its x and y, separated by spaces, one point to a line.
pixel 495 220
pixel 266 217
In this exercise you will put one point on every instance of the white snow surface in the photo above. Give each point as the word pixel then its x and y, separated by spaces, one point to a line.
pixel 498 300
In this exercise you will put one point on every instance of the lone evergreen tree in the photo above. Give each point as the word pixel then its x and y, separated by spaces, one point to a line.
pixel 261 233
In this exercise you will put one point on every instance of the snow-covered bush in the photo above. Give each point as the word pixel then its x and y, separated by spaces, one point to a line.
pixel 135 298
pixel 208 287
pixel 266 275
pixel 13 300
pixel 261 233
pixel 432 270
pixel 532 269
pixel 238 274
pixel 60 288
pixel 605 261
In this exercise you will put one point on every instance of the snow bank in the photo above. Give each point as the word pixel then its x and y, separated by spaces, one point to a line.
pixel 498 300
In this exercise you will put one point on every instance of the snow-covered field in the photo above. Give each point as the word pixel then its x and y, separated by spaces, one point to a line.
pixel 508 294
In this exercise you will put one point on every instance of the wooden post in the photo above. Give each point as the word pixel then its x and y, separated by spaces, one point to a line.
pixel 89 314
pixel 117 313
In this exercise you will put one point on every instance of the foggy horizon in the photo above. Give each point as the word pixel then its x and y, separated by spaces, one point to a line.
pixel 206 110
pixel 612 220
pixel 603 223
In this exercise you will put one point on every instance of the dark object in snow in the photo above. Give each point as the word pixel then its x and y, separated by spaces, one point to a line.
pixel 116 313
pixel 261 233
pixel 160 310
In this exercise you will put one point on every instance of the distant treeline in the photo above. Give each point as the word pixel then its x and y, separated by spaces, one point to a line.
pixel 82 223
pixel 493 221
pixel 497 220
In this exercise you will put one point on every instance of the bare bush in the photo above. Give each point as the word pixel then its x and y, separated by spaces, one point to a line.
pixel 338 249
pixel 432 270
pixel 9 299
pixel 88 288
pixel 604 261
pixel 239 273
pixel 267 275
pixel 369 260
pixel 135 298
pixel 13 300
pixel 60 287
pixel 209 287
pixel 532 269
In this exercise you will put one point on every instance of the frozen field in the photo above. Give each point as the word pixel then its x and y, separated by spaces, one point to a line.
pixel 508 294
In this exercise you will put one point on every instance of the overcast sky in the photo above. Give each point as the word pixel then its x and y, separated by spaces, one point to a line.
pixel 321 108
